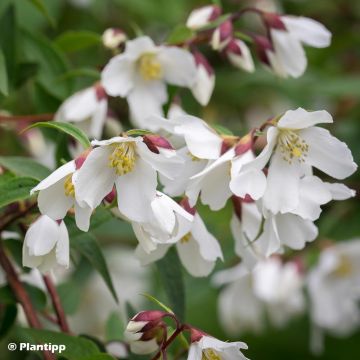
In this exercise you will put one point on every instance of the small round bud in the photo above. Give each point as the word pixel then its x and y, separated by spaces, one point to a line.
pixel 202 16
pixel 222 36
pixel 113 38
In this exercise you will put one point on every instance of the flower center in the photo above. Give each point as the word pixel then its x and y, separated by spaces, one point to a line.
pixel 122 159
pixel 185 239
pixel 193 157
pixel 149 67
pixel 69 188
pixel 292 146
pixel 344 268
pixel 210 354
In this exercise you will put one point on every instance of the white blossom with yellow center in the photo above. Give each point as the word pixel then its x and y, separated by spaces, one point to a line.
pixel 141 73
pixel 294 146
pixel 57 195
pixel 127 163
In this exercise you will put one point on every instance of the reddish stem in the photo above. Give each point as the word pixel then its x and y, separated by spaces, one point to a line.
pixel 60 313
pixel 168 342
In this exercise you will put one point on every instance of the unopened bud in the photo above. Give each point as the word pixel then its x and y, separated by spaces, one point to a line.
pixel 154 142
pixel 222 36
pixel 273 21
pixel 113 38
pixel 202 16
pixel 239 55
pixel 263 48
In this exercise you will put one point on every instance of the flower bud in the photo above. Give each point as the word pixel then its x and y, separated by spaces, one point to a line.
pixel 273 21
pixel 245 144
pixel 154 142
pixel 100 92
pixel 239 55
pixel 222 36
pixel 113 38
pixel 202 16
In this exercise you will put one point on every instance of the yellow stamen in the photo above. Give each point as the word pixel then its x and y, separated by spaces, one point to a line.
pixel 150 67
pixel 193 157
pixel 186 238
pixel 292 146
pixel 344 268
pixel 122 159
pixel 69 188
pixel 210 354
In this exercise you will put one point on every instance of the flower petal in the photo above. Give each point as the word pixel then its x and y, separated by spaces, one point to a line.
pixel 301 119
pixel 204 85
pixel 82 216
pixel 148 258
pixel 340 191
pixel 62 246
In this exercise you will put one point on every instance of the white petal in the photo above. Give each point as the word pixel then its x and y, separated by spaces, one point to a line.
pixel 42 236
pixel 301 119
pixel 294 231
pixel 29 260
pixel 145 241
pixel 82 216
pixel 328 154
pixel 203 86
pixel 143 347
pixel 98 120
pixel 282 192
pixel 202 141
pixel 199 18
pixel 251 182
pixel 308 31
pixel 251 219
pixel 141 45
pixel 55 176
pixel 116 140
pixel 136 190
pixel 118 76
pixel 290 52
pixel 62 246
pixel 269 241
pixel 95 179
pixel 146 99
pixel 148 258
pixel 340 191
pixel 243 61
pixel 163 213
pixel 178 65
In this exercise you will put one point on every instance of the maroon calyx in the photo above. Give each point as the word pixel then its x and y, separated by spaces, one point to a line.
pixel 201 60
pixel 100 92
pixel 154 142
pixel 184 203
pixel 273 21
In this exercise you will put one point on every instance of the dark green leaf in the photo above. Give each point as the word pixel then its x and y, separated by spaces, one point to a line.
pixel 76 347
pixel 77 40
pixel 66 128
pixel 6 295
pixel 7 319
pixel 98 357
pixel 180 34
pixel 23 166
pixel 170 271
pixel 25 71
pixel 70 296
pixel 87 245
pixel 81 72
pixel 3 75
pixel 41 6
pixel 114 328
pixel 15 190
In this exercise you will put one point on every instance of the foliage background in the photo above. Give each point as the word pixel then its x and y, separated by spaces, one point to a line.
pixel 44 69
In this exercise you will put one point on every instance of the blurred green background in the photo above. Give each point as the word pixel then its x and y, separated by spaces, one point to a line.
pixel 240 100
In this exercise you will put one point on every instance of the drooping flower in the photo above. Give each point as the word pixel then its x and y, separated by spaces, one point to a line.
pixel 334 291
pixel 206 347
pixel 294 146
pixel 128 163
pixel 141 72
pixel 239 55
pixel 197 248
pixel 273 289
pixel 87 108
pixel 285 52
pixel 46 244
pixel 200 17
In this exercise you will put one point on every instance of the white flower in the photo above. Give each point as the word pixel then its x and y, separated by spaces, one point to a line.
pixel 334 289
pixel 112 38
pixel 87 108
pixel 272 288
pixel 200 17
pixel 128 163
pixel 140 74
pixel 294 145
pixel 288 34
pixel 197 248
pixel 205 347
pixel 205 80
pixel 239 55
pixel 57 195
pixel 46 244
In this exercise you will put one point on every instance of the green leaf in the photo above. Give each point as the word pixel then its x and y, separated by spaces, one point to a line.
pixel 3 75
pixel 87 245
pixel 77 40
pixel 81 72
pixel 15 190
pixel 222 130
pixel 158 302
pixel 23 166
pixel 215 23
pixel 180 34
pixel 138 132
pixel 25 71
pixel 7 318
pixel 77 348
pixel 170 270
pixel 66 128
pixel 99 357
pixel 114 328
pixel 41 6
pixel 70 296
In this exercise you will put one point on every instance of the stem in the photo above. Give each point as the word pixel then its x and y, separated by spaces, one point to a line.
pixel 30 118
pixel 21 294
pixel 60 313
pixel 16 216
pixel 168 342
